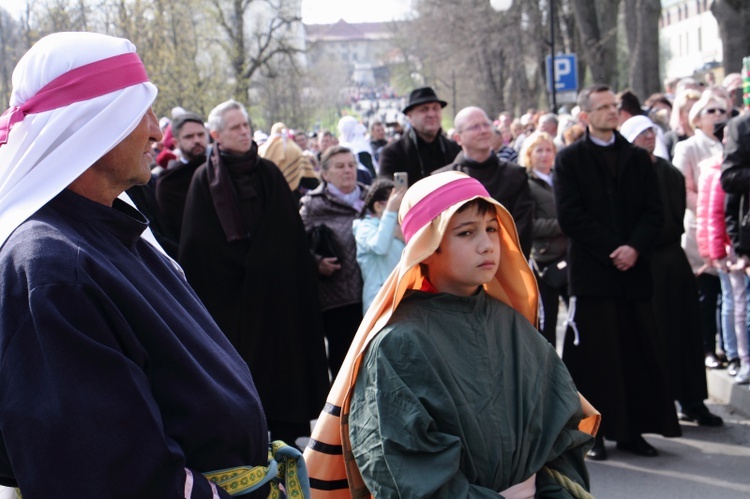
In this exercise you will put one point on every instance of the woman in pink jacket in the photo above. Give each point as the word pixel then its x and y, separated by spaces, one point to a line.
pixel 715 247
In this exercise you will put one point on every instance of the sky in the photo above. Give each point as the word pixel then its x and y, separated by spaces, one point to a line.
pixel 317 11
pixel 12 6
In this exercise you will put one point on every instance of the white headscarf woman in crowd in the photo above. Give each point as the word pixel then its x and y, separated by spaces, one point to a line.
pixel 352 136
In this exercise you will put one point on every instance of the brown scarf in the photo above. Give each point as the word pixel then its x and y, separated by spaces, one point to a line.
pixel 223 195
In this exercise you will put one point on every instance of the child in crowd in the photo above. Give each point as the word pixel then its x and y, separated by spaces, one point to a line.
pixel 448 390
pixel 379 238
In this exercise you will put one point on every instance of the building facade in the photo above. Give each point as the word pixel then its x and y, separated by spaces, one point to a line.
pixel 360 47
pixel 690 39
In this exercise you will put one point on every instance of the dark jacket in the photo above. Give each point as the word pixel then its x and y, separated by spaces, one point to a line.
pixel 672 189
pixel 262 291
pixel 171 191
pixel 600 212
pixel 403 156
pixel 548 241
pixel 508 184
pixel 735 171
pixel 343 287
pixel 735 178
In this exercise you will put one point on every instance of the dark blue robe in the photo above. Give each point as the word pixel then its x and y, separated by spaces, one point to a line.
pixel 113 376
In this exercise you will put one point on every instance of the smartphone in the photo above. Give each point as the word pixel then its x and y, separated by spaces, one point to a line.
pixel 401 179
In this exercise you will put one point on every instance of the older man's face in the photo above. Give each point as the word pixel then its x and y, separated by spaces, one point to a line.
pixel 129 162
pixel 475 134
pixel 236 137
pixel 426 119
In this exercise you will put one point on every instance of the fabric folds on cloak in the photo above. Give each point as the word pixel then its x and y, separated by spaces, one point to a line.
pixel 262 292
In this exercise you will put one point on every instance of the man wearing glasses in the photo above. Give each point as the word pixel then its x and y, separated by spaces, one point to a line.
pixel 505 181
pixel 608 205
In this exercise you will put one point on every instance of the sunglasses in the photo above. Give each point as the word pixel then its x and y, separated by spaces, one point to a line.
pixel 715 110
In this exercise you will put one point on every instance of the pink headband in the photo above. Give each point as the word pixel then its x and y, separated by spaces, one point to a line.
pixel 79 84
pixel 442 198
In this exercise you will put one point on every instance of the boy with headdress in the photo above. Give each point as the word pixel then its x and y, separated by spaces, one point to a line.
pixel 448 390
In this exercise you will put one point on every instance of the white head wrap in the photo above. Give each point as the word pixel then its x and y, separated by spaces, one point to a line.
pixel 46 151
pixel 352 135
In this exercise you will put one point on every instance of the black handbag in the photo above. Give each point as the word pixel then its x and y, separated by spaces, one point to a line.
pixel 555 274
pixel 323 242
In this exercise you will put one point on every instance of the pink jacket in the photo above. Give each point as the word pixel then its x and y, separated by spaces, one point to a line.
pixel 711 233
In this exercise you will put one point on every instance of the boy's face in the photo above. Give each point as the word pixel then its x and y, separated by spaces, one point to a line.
pixel 469 253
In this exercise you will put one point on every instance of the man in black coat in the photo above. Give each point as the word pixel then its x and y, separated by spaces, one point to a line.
pixel 608 205
pixel 244 250
pixel 172 185
pixel 423 148
pixel 505 181
pixel 735 180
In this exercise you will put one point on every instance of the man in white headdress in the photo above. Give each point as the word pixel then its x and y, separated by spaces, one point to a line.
pixel 116 381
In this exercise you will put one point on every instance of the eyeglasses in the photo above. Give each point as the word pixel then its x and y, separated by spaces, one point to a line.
pixel 714 110
pixel 477 127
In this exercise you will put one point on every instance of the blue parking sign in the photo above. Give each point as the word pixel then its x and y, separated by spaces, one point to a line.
pixel 566 73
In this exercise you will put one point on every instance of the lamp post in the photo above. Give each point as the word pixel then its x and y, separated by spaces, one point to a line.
pixel 503 5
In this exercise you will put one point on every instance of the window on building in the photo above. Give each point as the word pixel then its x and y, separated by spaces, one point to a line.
pixel 700 39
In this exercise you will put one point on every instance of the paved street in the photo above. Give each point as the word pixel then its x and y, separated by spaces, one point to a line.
pixel 703 463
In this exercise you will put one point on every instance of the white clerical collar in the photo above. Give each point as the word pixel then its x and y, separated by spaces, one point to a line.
pixel 603 143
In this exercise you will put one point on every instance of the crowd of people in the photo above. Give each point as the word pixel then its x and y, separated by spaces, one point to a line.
pixel 177 291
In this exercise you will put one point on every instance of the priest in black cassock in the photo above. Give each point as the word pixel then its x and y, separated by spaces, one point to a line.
pixel 244 251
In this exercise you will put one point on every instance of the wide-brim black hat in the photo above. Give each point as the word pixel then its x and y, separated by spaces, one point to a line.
pixel 422 96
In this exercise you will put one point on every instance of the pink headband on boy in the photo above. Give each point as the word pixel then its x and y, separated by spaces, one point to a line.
pixel 436 202
pixel 79 84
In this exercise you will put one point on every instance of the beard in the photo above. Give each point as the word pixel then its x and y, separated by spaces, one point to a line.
pixel 195 153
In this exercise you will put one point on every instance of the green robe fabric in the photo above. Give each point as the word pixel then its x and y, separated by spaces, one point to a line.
pixel 462 397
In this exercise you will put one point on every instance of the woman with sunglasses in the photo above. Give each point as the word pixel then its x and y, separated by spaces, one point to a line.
pixel 707 117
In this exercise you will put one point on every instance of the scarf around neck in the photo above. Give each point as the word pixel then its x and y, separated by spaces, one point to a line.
pixel 222 191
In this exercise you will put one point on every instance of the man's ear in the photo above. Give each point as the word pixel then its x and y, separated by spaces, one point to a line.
pixel 583 117
pixel 215 135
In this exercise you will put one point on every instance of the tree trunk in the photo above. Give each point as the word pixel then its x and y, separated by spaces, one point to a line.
pixel 597 23
pixel 733 18
pixel 642 29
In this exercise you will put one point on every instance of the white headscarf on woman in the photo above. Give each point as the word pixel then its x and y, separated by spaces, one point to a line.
pixel 47 150
pixel 352 136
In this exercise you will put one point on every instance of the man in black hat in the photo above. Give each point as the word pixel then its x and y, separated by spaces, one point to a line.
pixel 423 148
